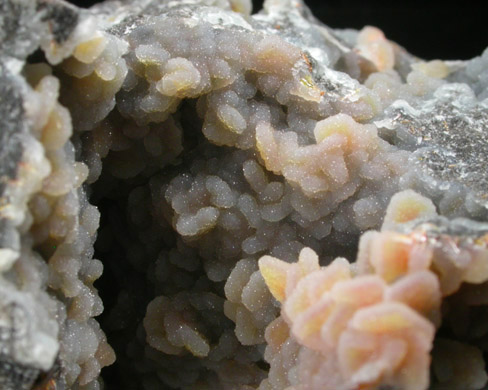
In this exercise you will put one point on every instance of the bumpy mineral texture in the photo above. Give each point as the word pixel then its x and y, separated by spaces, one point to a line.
pixel 164 163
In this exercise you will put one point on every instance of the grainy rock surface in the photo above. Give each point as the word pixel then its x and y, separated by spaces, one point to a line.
pixel 164 147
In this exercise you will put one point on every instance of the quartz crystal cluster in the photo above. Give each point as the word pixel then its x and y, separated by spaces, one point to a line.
pixel 373 322
pixel 163 165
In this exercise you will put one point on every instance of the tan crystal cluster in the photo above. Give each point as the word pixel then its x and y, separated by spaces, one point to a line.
pixel 372 323
pixel 57 228
pixel 62 226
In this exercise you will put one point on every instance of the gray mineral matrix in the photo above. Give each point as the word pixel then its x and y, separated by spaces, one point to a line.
pixel 163 147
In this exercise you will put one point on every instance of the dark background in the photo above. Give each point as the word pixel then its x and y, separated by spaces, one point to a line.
pixel 429 29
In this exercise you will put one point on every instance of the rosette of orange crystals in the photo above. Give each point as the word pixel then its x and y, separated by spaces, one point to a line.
pixel 372 323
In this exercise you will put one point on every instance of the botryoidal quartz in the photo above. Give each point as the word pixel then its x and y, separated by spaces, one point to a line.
pixel 267 203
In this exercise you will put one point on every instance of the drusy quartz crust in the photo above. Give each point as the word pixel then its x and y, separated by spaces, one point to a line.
pixel 202 197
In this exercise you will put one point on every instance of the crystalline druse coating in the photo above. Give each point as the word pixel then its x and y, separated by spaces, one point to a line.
pixel 163 165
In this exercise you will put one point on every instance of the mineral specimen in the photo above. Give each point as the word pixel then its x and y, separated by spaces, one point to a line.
pixel 373 323
pixel 164 163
